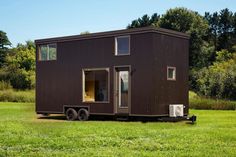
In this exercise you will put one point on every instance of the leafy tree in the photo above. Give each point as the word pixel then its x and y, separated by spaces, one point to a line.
pixel 226 29
pixel 20 66
pixel 223 55
pixel 4 44
pixel 154 18
pixel 213 21
pixel 22 79
pixel 85 32
pixel 222 29
pixel 219 79
pixel 207 54
pixel 23 58
pixel 29 44
pixel 144 21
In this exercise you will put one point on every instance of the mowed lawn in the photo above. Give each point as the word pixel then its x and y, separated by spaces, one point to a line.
pixel 23 134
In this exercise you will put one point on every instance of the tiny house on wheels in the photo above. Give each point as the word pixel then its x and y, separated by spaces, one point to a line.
pixel 134 72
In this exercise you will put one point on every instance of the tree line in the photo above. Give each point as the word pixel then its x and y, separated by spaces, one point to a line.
pixel 212 58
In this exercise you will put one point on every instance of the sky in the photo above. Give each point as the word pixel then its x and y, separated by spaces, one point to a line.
pixel 24 20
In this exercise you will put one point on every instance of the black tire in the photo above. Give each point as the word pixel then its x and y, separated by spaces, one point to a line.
pixel 83 114
pixel 71 114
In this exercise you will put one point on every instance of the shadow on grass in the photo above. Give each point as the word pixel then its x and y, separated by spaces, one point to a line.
pixel 52 117
pixel 119 119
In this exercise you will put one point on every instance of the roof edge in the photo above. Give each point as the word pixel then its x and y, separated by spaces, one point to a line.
pixel 114 33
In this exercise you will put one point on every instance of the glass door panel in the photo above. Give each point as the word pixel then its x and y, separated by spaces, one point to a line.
pixel 123 87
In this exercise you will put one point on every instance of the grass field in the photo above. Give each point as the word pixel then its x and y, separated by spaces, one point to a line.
pixel 23 134
pixel 11 95
pixel 200 102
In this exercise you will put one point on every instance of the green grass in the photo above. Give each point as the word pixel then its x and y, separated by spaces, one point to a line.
pixel 197 102
pixel 11 95
pixel 22 134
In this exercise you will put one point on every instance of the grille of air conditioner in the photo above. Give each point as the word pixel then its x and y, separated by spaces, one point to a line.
pixel 176 110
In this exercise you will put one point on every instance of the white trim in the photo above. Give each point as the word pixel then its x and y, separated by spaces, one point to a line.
pixel 116 44
pixel 83 85
pixel 174 73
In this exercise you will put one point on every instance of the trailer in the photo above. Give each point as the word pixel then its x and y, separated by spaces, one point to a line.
pixel 140 72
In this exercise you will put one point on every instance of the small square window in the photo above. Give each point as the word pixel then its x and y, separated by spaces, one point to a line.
pixel 122 45
pixel 47 52
pixel 171 73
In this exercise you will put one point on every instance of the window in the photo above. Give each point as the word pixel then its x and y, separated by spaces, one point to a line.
pixel 47 52
pixel 123 88
pixel 95 85
pixel 171 73
pixel 122 45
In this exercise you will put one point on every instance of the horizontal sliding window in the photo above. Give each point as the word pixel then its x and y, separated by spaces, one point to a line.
pixel 95 85
pixel 47 52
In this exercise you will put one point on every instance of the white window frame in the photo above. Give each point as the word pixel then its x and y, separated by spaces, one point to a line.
pixel 116 45
pixel 174 73
pixel 83 85
pixel 47 45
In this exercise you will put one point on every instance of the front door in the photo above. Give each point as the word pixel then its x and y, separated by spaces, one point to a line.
pixel 122 89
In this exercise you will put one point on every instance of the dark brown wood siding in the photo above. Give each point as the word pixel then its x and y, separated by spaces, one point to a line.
pixel 59 82
pixel 170 51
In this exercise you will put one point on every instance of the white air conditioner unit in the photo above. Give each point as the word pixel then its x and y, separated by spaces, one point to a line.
pixel 176 110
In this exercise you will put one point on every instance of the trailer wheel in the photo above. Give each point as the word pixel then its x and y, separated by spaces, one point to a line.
pixel 71 114
pixel 83 114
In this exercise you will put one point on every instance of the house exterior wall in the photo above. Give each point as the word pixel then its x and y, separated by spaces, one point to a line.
pixel 170 51
pixel 59 82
